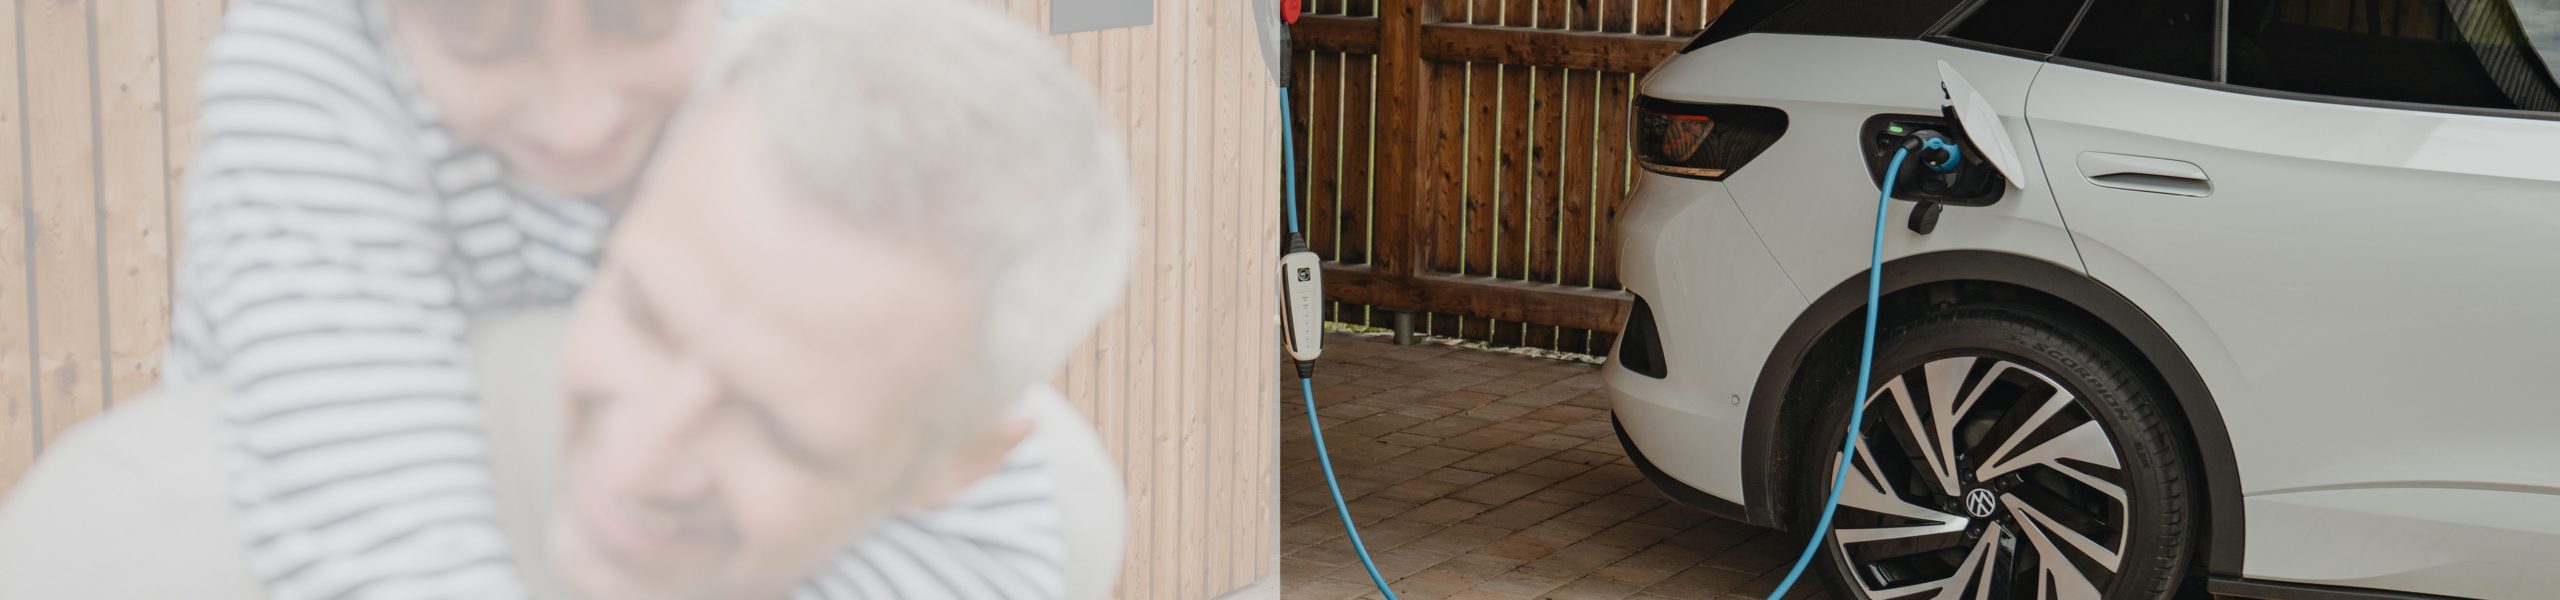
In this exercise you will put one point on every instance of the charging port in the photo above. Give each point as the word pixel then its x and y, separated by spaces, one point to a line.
pixel 1967 182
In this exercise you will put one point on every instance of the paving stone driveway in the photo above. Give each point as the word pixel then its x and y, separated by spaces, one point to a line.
pixel 1483 474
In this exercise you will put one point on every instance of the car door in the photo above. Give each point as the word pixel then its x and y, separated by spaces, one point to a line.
pixel 2348 215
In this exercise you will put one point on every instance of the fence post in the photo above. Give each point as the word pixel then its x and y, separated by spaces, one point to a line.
pixel 1404 108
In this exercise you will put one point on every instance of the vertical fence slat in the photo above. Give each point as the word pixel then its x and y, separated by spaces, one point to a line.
pixel 18 423
pixel 1612 15
pixel 1323 186
pixel 1516 175
pixel 1687 16
pixel 1580 160
pixel 1615 174
pixel 1357 201
pixel 66 310
pixel 1539 242
pixel 1450 154
pixel 1359 106
pixel 134 194
pixel 1484 167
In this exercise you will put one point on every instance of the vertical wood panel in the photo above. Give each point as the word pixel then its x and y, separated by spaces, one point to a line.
pixel 1165 516
pixel 134 193
pixel 1201 303
pixel 1111 339
pixel 1200 197
pixel 1222 279
pixel 1262 229
pixel 70 364
pixel 186 28
pixel 1077 380
pixel 19 426
pixel 1138 432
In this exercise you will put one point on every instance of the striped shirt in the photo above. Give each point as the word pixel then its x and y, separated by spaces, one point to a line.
pixel 339 242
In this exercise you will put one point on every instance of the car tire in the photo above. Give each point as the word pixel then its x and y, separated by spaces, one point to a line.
pixel 2040 407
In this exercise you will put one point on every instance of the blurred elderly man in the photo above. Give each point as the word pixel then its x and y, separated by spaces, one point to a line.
pixel 880 225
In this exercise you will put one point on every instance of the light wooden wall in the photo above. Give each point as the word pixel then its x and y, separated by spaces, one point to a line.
pixel 97 123
pixel 1183 380
pixel 93 141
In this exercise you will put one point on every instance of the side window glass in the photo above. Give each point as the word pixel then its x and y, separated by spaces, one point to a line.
pixel 2031 25
pixel 2168 37
pixel 2467 53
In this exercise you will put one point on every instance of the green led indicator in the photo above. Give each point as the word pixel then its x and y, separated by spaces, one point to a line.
pixel 1896 128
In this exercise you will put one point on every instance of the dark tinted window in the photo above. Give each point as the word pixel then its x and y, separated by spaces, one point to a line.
pixel 1738 19
pixel 1864 18
pixel 2470 53
pixel 2030 25
pixel 2168 37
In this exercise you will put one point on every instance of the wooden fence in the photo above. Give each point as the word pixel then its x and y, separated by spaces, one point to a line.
pixel 1464 159
pixel 97 119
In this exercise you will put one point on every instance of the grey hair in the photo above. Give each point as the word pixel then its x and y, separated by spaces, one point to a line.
pixel 953 123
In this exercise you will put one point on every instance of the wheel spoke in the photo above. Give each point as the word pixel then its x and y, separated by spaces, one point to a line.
pixel 1867 491
pixel 1974 573
pixel 2085 443
pixel 2055 569
pixel 1937 449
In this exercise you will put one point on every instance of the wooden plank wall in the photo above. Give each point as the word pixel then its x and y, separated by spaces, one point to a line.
pixel 1182 381
pixel 96 126
pixel 96 120
pixel 1529 158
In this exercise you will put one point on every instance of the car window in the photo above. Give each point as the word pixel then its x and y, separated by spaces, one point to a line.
pixel 2031 25
pixel 1863 18
pixel 2466 53
pixel 2167 37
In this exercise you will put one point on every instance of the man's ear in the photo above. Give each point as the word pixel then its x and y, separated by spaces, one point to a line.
pixel 972 461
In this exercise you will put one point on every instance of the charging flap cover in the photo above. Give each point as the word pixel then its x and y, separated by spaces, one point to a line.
pixel 1981 125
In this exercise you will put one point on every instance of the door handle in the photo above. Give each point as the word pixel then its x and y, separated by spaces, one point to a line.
pixel 2145 174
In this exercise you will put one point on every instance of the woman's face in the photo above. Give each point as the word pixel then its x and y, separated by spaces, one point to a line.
pixel 572 93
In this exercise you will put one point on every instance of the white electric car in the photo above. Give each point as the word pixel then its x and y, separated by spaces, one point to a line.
pixel 2265 302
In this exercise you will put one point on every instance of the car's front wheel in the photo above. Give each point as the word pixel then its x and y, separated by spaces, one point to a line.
pixel 2004 454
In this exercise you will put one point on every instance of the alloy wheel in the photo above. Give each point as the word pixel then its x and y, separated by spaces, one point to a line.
pixel 1980 477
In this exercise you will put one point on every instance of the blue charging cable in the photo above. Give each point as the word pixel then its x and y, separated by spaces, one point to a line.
pixel 1307 385
pixel 1866 366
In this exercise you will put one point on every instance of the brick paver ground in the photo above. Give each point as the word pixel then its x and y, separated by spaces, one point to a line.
pixel 1481 474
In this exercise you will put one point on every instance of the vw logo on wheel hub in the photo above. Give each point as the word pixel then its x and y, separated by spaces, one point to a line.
pixel 1980 503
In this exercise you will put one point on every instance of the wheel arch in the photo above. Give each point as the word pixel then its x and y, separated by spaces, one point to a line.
pixel 1914 286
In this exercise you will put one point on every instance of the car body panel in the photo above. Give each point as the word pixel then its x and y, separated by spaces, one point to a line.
pixel 1808 196
pixel 1696 250
pixel 2472 543
pixel 1696 410
pixel 2415 381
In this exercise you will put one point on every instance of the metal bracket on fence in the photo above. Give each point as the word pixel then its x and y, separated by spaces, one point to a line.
pixel 1404 327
